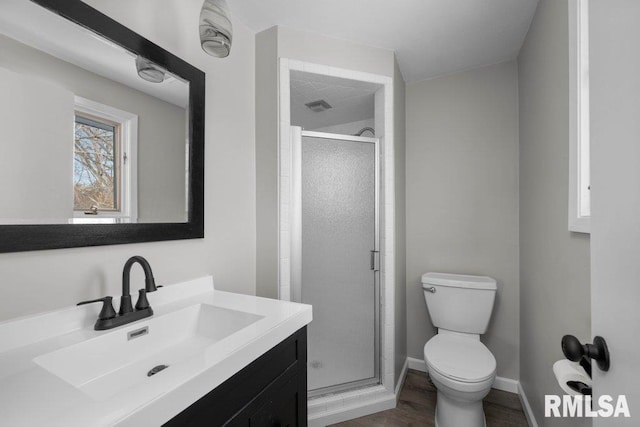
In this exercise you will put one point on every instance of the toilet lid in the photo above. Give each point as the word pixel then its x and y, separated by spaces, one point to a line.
pixel 460 358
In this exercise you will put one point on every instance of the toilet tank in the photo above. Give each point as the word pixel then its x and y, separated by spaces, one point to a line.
pixel 459 302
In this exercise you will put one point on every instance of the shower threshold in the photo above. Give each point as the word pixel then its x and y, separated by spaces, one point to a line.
pixel 339 388
pixel 344 405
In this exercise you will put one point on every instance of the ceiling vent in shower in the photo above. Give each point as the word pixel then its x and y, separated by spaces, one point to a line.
pixel 318 106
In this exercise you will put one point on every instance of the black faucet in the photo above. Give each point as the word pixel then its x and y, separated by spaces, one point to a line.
pixel 149 285
pixel 107 318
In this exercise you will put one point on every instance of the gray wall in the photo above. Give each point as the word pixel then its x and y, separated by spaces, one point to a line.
pixel 267 120
pixel 399 133
pixel 36 281
pixel 36 182
pixel 462 196
pixel 554 263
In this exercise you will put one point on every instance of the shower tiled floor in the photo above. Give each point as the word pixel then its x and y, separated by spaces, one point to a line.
pixel 417 405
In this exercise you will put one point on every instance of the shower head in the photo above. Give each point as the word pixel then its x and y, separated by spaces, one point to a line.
pixel 363 130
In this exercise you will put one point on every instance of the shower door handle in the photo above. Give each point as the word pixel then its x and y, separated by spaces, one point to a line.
pixel 375 260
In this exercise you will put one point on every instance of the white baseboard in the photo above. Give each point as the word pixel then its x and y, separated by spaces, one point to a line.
pixel 506 384
pixel 416 364
pixel 386 402
pixel 501 383
pixel 528 412
pixel 403 376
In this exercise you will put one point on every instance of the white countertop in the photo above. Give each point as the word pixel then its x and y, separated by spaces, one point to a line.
pixel 31 396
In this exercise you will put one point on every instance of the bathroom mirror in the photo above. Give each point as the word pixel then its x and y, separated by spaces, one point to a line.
pixel 102 132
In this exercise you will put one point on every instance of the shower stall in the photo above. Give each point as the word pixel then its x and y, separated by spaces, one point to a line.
pixel 335 247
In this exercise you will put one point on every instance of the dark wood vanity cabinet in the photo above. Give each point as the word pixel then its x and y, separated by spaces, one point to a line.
pixel 270 392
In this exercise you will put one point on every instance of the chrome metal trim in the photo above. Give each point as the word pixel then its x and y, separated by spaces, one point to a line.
pixel 295 215
pixel 343 387
pixel 376 274
pixel 375 260
pixel 296 242
pixel 137 333
pixel 338 136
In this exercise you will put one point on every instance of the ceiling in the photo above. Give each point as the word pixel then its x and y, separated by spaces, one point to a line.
pixel 430 37
pixel 350 100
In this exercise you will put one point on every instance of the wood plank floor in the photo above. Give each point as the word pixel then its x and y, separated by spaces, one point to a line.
pixel 417 404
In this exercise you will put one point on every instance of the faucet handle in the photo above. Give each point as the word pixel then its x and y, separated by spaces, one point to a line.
pixel 143 302
pixel 107 311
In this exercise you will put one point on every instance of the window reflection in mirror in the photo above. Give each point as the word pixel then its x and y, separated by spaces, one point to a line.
pixel 96 169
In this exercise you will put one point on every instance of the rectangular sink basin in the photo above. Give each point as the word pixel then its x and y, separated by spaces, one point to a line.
pixel 103 366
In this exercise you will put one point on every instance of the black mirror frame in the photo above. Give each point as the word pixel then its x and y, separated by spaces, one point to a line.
pixel 20 238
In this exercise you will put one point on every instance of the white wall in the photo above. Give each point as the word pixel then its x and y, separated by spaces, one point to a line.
pixel 462 196
pixel 615 234
pixel 36 281
pixel 554 263
pixel 318 49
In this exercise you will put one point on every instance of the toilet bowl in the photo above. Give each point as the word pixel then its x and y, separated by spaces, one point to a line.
pixel 460 366
pixel 463 371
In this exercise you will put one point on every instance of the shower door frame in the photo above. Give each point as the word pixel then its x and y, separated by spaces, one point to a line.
pixel 296 242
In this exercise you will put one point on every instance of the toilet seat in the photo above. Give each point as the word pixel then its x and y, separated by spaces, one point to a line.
pixel 460 359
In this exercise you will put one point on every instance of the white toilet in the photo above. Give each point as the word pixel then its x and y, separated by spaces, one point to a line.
pixel 460 366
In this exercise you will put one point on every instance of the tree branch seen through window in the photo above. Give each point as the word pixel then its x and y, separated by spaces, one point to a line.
pixel 95 164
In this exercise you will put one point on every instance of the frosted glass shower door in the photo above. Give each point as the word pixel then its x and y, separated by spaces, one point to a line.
pixel 338 229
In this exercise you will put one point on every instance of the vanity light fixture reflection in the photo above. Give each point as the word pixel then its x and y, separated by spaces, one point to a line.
pixel 149 71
